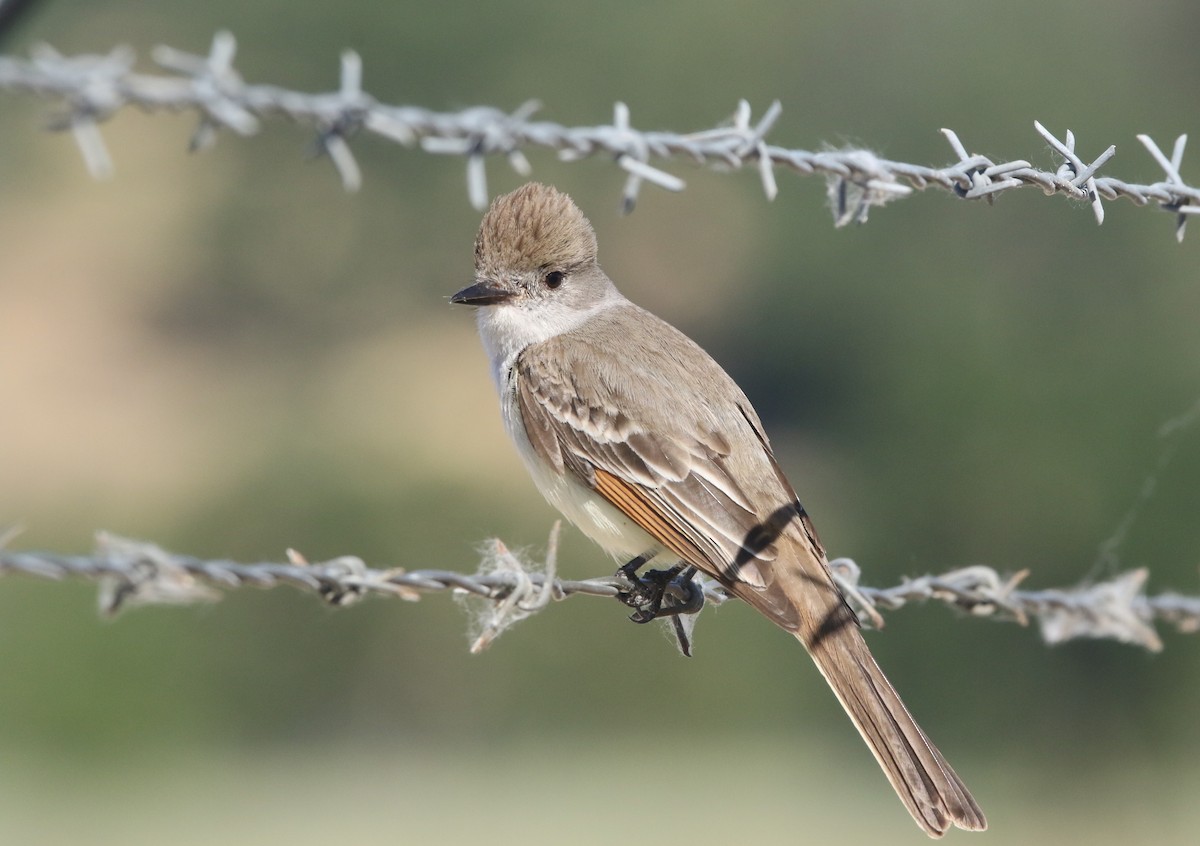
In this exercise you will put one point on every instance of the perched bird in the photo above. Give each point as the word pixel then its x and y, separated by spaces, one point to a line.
pixel 638 437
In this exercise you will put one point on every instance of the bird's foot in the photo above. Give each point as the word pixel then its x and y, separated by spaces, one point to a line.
pixel 660 593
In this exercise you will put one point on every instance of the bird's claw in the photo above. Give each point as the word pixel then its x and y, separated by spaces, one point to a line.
pixel 660 593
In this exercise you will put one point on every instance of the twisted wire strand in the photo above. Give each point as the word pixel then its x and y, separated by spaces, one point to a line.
pixel 93 88
pixel 512 588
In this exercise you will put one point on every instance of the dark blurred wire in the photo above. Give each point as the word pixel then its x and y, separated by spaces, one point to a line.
pixel 10 12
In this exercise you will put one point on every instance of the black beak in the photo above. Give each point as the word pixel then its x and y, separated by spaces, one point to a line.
pixel 483 293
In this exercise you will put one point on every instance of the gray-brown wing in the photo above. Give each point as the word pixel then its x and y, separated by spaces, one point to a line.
pixel 669 466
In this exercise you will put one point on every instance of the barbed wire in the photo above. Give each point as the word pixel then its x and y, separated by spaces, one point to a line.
pixel 511 587
pixel 96 87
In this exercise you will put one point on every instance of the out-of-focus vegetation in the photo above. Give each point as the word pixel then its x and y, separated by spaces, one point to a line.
pixel 228 355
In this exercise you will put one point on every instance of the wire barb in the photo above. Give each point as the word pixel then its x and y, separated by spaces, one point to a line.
pixel 1183 209
pixel 508 588
pixel 95 88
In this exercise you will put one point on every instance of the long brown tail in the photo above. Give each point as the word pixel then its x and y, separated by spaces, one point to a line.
pixel 925 783
pixel 804 599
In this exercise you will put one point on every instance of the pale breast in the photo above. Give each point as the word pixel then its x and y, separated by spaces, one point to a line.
pixel 613 531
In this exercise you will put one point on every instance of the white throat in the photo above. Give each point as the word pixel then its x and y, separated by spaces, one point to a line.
pixel 507 329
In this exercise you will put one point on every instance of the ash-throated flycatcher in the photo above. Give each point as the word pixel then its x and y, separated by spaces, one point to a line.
pixel 643 441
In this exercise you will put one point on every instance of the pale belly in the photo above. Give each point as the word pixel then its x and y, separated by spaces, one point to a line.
pixel 596 517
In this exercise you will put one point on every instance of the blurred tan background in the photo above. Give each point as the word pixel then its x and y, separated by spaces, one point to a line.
pixel 220 353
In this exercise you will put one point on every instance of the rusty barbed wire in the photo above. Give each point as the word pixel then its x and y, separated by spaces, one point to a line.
pixel 96 87
pixel 512 587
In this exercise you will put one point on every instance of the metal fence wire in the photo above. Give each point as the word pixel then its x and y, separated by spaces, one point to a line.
pixel 93 88
pixel 511 587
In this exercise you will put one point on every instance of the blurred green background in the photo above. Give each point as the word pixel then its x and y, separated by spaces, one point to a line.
pixel 220 352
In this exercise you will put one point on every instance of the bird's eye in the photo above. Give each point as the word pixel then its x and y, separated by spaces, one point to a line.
pixel 555 278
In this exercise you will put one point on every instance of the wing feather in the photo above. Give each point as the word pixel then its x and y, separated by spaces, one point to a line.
pixel 667 469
